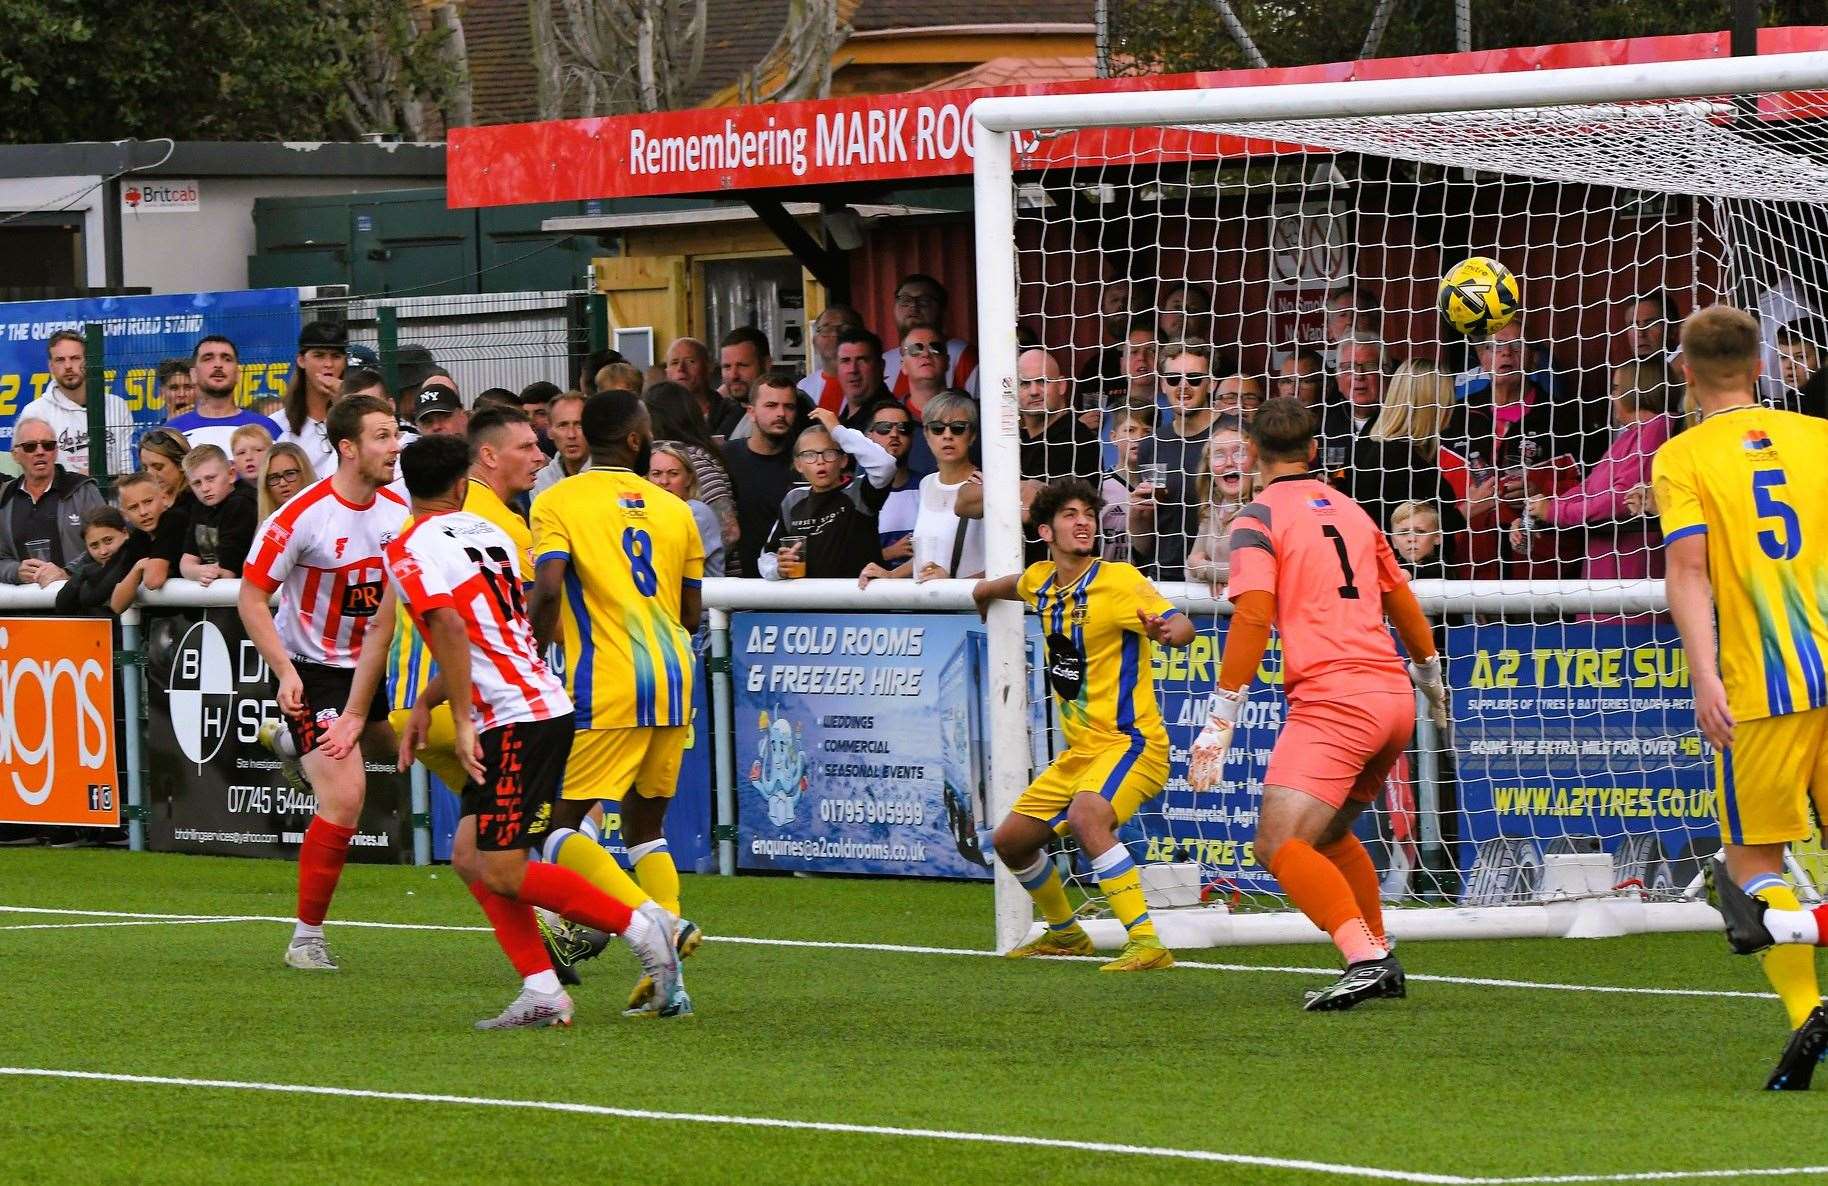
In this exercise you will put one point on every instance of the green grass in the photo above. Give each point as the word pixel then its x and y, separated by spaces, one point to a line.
pixel 1458 1079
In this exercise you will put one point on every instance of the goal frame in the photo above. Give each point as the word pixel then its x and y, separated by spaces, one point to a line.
pixel 995 123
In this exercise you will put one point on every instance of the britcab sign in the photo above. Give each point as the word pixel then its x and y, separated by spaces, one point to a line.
pixel 57 722
pixel 161 195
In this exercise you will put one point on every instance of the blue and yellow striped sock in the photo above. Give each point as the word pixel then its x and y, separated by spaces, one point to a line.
pixel 1790 967
pixel 1042 881
pixel 1121 884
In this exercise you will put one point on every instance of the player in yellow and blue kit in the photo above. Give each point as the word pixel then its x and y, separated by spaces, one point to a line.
pixel 1745 526
pixel 1098 617
pixel 503 451
pixel 619 562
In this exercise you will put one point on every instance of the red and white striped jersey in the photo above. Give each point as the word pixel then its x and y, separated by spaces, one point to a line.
pixel 463 562
pixel 324 554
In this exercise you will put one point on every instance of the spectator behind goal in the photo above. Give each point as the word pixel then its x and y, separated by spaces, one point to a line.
pixel 827 527
pixel 1619 544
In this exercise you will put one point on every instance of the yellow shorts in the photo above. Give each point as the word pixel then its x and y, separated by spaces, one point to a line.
pixel 1776 772
pixel 605 763
pixel 440 752
pixel 1126 773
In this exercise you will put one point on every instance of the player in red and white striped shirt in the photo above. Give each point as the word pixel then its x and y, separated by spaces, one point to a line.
pixel 459 576
pixel 322 552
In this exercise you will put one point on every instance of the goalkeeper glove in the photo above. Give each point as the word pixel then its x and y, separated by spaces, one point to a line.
pixel 1426 676
pixel 1206 761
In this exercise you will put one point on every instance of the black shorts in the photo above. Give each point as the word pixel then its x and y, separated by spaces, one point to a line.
pixel 326 695
pixel 522 767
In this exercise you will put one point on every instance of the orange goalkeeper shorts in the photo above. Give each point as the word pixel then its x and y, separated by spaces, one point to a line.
pixel 1336 750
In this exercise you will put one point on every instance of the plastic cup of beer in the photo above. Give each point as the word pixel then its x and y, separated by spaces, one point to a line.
pixel 792 556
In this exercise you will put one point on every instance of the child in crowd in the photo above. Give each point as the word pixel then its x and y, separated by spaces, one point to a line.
pixel 1128 425
pixel 1221 490
pixel 96 586
pixel 1415 537
pixel 250 444
pixel 827 527
pixel 144 504
pixel 223 523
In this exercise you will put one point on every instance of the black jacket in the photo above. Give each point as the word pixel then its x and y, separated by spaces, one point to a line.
pixel 70 497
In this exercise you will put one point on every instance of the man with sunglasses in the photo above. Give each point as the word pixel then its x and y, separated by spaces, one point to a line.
pixel 41 511
pixel 1167 460
pixel 887 422
pixel 922 300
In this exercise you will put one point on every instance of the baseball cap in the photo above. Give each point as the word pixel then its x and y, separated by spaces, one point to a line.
pixel 436 401
pixel 362 356
pixel 415 365
pixel 323 335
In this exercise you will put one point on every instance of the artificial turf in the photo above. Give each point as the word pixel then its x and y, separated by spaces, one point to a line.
pixel 1459 1080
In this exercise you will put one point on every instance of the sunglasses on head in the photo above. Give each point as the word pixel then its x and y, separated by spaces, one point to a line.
pixel 36 446
pixel 898 427
pixel 957 428
pixel 1178 379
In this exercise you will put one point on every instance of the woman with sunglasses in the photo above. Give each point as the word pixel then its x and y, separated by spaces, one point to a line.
pixel 946 544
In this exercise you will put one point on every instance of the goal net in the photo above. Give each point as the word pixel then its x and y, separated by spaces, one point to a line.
pixel 1178 266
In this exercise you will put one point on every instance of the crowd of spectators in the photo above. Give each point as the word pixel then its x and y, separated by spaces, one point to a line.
pixel 867 466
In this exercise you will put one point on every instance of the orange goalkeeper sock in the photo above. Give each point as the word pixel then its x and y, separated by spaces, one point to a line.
pixel 1316 886
pixel 1354 864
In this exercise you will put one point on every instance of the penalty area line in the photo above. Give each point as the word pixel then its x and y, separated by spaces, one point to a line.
pixel 1160 1152
pixel 144 918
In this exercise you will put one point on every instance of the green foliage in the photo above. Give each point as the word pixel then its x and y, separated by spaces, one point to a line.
pixel 1174 36
pixel 211 69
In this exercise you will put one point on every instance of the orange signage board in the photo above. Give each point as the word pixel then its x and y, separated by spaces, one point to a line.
pixel 57 722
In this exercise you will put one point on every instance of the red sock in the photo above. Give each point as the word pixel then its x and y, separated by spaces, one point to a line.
pixel 1316 885
pixel 515 930
pixel 320 864
pixel 1354 864
pixel 564 892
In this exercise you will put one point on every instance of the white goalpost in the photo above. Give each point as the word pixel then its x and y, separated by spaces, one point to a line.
pixel 1245 227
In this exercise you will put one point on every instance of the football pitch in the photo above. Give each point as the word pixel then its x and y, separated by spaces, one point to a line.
pixel 847 1031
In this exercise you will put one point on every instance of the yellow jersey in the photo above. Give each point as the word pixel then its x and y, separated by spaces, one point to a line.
pixel 1097 653
pixel 630 549
pixel 409 662
pixel 1751 479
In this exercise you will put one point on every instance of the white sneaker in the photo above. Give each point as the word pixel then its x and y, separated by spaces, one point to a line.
pixel 531 1010
pixel 310 954
pixel 660 961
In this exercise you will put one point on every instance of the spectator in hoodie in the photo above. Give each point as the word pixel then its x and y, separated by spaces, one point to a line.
pixel 831 521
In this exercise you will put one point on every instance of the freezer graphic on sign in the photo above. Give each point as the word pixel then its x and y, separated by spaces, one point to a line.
pixel 779 771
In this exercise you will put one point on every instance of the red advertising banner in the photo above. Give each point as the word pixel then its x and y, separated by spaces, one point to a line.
pixel 922 135
pixel 57 722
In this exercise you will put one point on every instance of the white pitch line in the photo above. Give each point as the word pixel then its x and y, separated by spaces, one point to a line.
pixel 1212 1156
pixel 132 922
pixel 913 949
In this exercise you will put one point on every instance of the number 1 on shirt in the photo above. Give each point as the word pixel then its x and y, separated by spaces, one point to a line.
pixel 1349 590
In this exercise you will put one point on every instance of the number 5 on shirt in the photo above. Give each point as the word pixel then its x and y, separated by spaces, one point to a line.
pixel 1788 542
